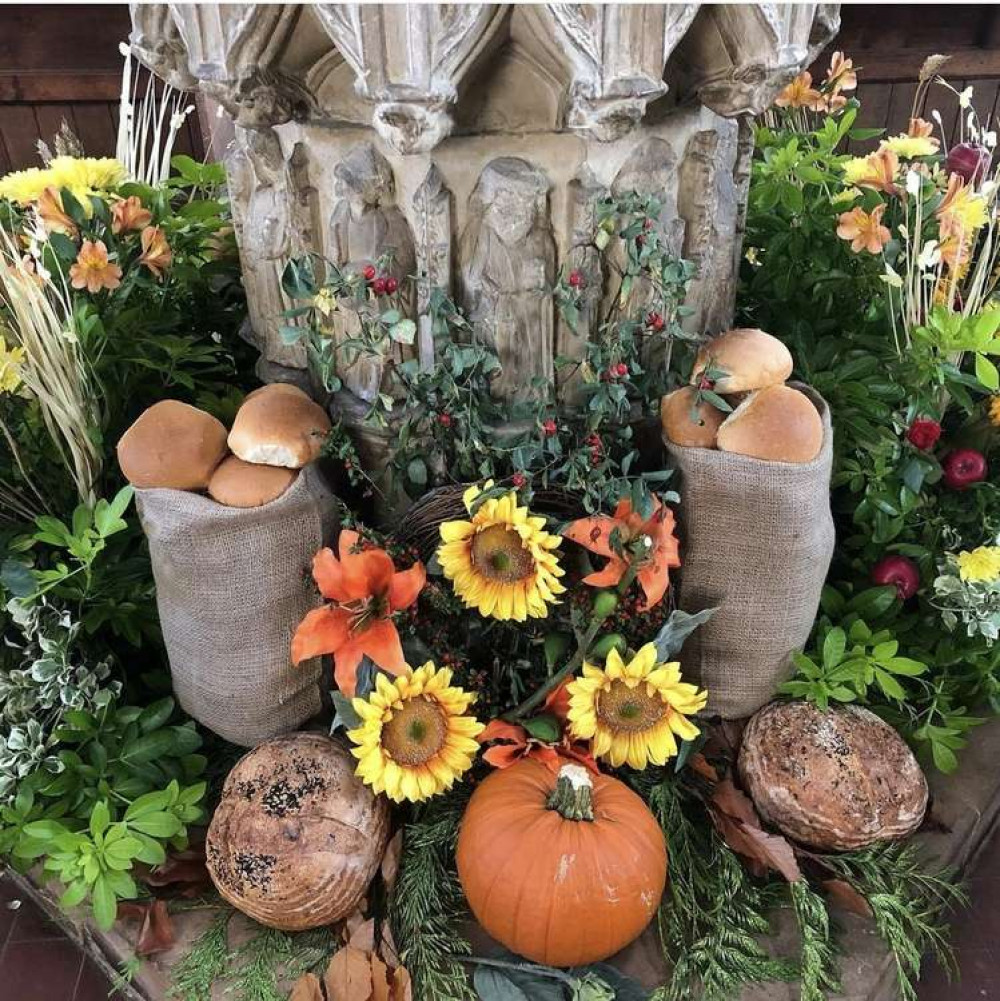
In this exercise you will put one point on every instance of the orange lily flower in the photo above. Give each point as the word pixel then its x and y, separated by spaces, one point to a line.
pixel 156 252
pixel 128 213
pixel 364 590
pixel 53 216
pixel 662 553
pixel 515 743
pixel 800 93
pixel 864 230
pixel 93 270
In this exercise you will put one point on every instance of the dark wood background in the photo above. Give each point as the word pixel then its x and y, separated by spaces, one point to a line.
pixel 62 61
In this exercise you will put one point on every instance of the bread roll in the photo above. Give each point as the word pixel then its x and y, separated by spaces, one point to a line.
pixel 778 423
pixel 246 484
pixel 279 425
pixel 172 445
pixel 678 426
pixel 750 358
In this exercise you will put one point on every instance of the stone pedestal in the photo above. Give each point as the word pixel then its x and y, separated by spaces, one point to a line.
pixel 471 140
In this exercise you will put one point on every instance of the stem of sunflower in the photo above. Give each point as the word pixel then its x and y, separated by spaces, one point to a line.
pixel 586 641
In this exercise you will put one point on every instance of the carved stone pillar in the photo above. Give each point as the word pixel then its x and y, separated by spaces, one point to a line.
pixel 472 139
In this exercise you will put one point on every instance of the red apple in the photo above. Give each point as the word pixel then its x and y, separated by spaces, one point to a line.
pixel 898 570
pixel 963 467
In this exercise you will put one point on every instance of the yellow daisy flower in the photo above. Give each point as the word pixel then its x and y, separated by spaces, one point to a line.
pixel 910 146
pixel 633 712
pixel 979 564
pixel 994 410
pixel 11 359
pixel 82 175
pixel 501 560
pixel 415 737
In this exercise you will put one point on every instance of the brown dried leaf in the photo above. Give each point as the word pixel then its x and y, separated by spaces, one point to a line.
pixel 402 986
pixel 700 765
pixel 845 896
pixel 390 860
pixel 764 851
pixel 349 976
pixel 306 988
pixel 734 803
pixel 183 871
pixel 381 984
pixel 361 934
pixel 156 929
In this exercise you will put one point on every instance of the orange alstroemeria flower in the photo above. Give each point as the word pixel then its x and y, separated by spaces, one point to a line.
pixel 841 75
pixel 156 253
pixel 662 554
pixel 53 216
pixel 864 230
pixel 364 590
pixel 800 93
pixel 93 270
pixel 128 213
pixel 515 743
pixel 920 128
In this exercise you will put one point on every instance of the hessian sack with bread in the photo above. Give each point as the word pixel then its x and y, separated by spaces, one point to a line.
pixel 756 541
pixel 232 584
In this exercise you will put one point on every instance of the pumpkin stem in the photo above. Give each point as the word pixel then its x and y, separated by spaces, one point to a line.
pixel 573 796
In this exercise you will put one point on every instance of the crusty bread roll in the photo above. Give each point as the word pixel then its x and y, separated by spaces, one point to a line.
pixel 750 358
pixel 172 445
pixel 678 426
pixel 777 423
pixel 279 426
pixel 248 484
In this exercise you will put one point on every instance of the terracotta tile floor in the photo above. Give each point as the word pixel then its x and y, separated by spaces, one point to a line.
pixel 37 963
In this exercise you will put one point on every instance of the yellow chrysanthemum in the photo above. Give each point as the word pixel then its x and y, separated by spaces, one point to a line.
pixel 415 737
pixel 910 146
pixel 83 176
pixel 979 564
pixel 10 367
pixel 501 561
pixel 633 712
pixel 995 410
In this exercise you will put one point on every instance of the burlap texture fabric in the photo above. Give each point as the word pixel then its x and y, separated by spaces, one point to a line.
pixel 232 584
pixel 756 541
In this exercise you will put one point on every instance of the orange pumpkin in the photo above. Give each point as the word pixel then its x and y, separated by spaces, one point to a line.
pixel 562 870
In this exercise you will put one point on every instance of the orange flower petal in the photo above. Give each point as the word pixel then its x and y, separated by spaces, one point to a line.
pixel 345 666
pixel 608 575
pixel 405 586
pixel 504 755
pixel 380 641
pixel 548 756
pixel 594 533
pixel 557 701
pixel 368 573
pixel 347 542
pixel 499 729
pixel 654 578
pixel 323 630
pixel 328 573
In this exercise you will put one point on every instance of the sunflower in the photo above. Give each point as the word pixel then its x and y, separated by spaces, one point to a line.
pixel 633 712
pixel 415 736
pixel 501 560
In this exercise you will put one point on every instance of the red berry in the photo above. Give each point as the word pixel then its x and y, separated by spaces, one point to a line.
pixel 898 570
pixel 923 433
pixel 379 286
pixel 655 321
pixel 391 284
pixel 640 240
pixel 705 383
pixel 519 480
pixel 593 440
pixel 444 420
pixel 595 459
pixel 549 428
pixel 963 467
pixel 621 370
pixel 369 272
pixel 575 279
pixel 647 224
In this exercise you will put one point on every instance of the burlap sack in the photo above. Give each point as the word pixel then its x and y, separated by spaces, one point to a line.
pixel 231 586
pixel 756 541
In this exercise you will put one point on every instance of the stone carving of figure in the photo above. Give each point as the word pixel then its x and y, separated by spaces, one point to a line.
pixel 365 225
pixel 432 224
pixel 260 195
pixel 508 268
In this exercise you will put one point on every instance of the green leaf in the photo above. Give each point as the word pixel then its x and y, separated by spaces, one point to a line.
pixel 904 665
pixel 555 645
pixel 403 332
pixel 75 893
pixel 889 684
pixel 100 817
pixel 17 578
pixel 986 372
pixel 151 802
pixel 104 903
pixel 157 825
pixel 545 728
pixel 345 715
pixel 676 630
pixel 156 714
pixel 416 470
pixel 944 757
pixel 833 647
pixel 149 747
pixel 873 601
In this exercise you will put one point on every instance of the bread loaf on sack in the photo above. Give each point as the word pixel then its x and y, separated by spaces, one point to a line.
pixel 777 424
pixel 686 424
pixel 247 484
pixel 172 445
pixel 749 359
pixel 279 425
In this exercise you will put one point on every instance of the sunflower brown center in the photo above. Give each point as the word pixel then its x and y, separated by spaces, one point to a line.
pixel 416 732
pixel 498 554
pixel 626 709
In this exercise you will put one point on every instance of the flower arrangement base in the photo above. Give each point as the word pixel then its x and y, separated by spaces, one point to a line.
pixel 966 806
